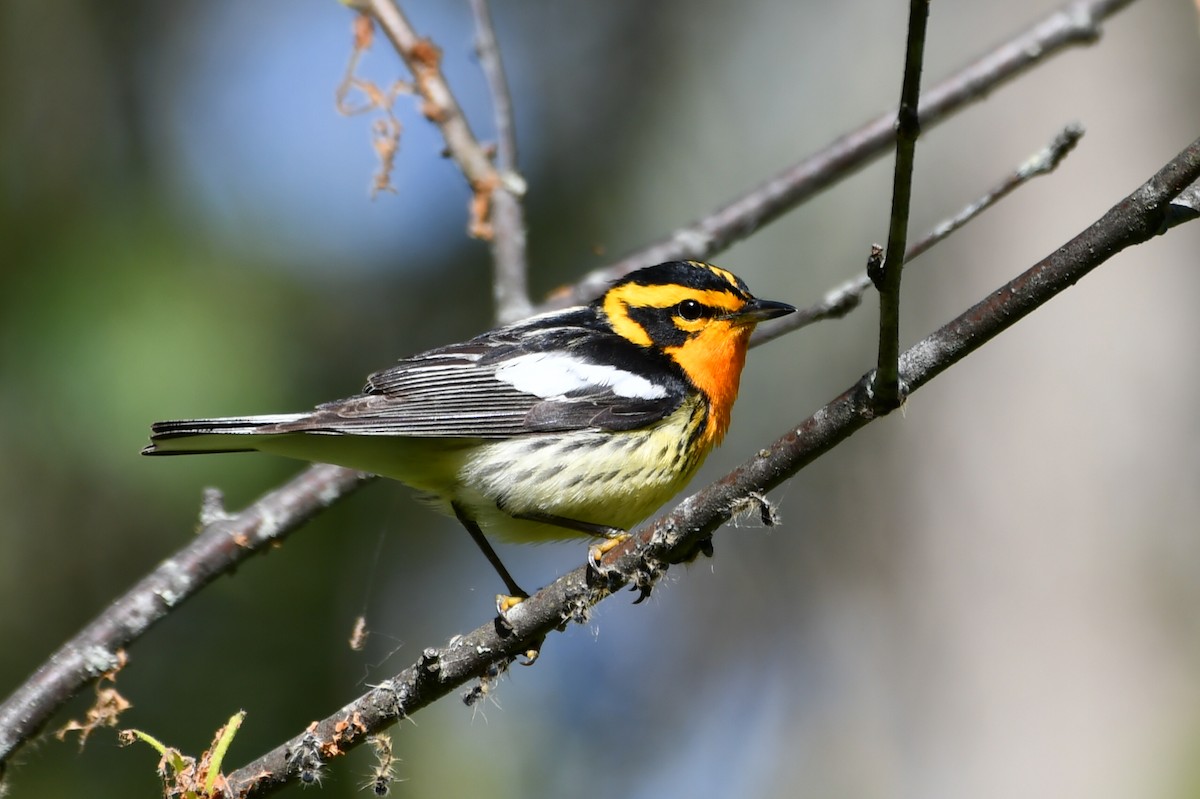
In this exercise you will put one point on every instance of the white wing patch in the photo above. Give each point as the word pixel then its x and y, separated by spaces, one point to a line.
pixel 550 375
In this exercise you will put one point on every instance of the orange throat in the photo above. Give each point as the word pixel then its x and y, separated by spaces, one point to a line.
pixel 713 361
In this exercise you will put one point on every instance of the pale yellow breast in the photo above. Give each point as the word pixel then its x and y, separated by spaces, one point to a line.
pixel 611 479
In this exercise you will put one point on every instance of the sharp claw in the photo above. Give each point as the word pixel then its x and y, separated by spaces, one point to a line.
pixel 645 578
pixel 531 655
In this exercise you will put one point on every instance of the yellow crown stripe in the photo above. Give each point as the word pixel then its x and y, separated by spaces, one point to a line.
pixel 664 296
pixel 727 276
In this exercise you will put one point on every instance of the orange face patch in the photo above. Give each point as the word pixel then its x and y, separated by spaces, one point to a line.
pixel 713 360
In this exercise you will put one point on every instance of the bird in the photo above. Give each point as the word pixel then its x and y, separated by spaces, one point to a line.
pixel 580 421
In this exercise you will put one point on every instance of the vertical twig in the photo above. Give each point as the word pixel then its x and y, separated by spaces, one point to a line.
pixel 510 282
pixel 886 386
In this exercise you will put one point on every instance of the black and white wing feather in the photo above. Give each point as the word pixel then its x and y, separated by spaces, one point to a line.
pixel 527 378
pixel 555 373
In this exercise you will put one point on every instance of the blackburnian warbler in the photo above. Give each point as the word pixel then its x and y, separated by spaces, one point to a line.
pixel 580 421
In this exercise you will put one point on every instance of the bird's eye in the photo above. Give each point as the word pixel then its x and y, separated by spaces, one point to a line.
pixel 690 310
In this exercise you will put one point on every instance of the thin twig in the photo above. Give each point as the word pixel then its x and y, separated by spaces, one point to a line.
pixel 510 282
pixel 1075 23
pixel 642 559
pixel 423 59
pixel 886 391
pixel 843 299
pixel 386 129
pixel 1043 162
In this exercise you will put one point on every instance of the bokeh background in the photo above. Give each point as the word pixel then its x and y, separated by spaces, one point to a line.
pixel 994 593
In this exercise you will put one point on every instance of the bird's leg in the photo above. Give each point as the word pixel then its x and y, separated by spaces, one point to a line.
pixel 612 535
pixel 515 592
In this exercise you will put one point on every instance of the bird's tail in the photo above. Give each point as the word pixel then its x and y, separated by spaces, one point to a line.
pixel 232 434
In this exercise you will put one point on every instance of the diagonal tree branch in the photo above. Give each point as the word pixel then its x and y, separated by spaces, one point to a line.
pixel 680 534
pixel 438 104
pixel 423 59
pixel 496 213
pixel 225 541
pixel 1075 23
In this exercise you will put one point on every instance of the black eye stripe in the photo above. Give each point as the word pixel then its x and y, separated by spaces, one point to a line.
pixel 658 324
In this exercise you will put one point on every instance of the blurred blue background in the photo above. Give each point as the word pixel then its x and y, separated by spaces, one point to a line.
pixel 994 593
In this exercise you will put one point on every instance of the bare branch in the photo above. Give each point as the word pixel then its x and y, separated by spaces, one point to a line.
pixel 1076 23
pixel 424 60
pixel 1043 162
pixel 679 535
pixel 225 541
pixel 886 390
pixel 843 299
pixel 510 284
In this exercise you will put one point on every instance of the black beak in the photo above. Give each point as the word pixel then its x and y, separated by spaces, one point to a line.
pixel 758 310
